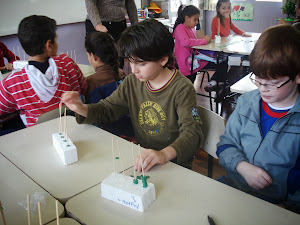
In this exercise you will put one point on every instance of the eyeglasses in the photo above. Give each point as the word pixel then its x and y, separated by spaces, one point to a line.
pixel 269 87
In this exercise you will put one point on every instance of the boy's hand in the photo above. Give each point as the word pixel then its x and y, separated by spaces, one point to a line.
pixel 9 66
pixel 152 157
pixel 72 100
pixel 255 176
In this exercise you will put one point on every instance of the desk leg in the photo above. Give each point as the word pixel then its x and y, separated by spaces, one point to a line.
pixel 192 65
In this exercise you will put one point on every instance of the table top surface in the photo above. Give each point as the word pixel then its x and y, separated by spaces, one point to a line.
pixel 64 221
pixel 232 44
pixel 182 197
pixel 32 151
pixel 14 187
pixel 243 85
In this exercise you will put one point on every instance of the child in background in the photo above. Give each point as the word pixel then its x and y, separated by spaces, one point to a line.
pixel 260 148
pixel 161 102
pixel 185 37
pixel 223 9
pixel 103 57
pixel 37 88
pixel 5 52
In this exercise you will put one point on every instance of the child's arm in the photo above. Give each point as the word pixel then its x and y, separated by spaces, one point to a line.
pixel 9 56
pixel 80 77
pixel 255 176
pixel 72 100
pixel 214 27
pixel 8 103
pixel 152 157
pixel 185 40
pixel 238 31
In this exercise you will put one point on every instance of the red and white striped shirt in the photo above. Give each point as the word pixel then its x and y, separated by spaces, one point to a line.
pixel 16 92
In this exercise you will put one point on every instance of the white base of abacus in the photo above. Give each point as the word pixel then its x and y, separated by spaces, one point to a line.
pixel 121 189
pixel 66 151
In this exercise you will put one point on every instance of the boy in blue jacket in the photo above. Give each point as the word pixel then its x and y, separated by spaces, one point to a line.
pixel 261 145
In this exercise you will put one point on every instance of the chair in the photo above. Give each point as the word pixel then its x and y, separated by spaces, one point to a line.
pixel 205 72
pixel 213 126
pixel 50 115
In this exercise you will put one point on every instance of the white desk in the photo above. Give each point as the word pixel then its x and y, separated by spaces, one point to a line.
pixel 64 221
pixel 14 187
pixel 243 85
pixel 183 197
pixel 240 45
pixel 232 44
pixel 86 70
pixel 32 151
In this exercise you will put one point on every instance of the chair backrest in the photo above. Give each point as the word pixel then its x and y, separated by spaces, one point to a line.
pixel 213 126
pixel 50 115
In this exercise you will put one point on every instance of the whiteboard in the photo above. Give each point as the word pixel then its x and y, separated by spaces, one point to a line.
pixel 63 11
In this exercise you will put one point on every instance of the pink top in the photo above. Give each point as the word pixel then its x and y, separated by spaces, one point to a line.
pixel 224 30
pixel 185 38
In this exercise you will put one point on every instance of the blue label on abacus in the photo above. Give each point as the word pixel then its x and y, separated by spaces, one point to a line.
pixel 131 203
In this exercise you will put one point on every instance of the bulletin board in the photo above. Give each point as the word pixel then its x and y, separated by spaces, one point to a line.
pixel 63 11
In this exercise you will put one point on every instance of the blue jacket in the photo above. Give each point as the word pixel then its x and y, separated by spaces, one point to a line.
pixel 277 153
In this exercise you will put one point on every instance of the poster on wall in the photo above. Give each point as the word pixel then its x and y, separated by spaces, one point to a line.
pixel 242 11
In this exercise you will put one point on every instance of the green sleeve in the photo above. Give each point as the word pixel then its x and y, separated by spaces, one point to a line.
pixel 190 133
pixel 109 109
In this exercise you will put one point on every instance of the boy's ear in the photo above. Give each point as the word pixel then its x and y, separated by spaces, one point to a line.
pixel 164 60
pixel 48 46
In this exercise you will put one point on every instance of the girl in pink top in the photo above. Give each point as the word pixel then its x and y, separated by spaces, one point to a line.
pixel 223 13
pixel 185 38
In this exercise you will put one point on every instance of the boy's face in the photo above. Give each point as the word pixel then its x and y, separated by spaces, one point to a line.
pixel 284 96
pixel 147 70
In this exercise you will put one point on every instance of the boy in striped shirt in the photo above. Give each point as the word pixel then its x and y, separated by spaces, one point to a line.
pixel 37 87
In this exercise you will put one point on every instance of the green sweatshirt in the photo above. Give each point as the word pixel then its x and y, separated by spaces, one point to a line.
pixel 160 118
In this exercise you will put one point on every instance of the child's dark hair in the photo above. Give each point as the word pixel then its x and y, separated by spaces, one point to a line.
pixel 184 11
pixel 33 33
pixel 218 5
pixel 276 53
pixel 103 46
pixel 148 40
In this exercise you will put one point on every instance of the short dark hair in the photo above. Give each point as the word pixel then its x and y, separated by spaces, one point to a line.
pixel 148 40
pixel 33 33
pixel 276 53
pixel 103 46
pixel 184 11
